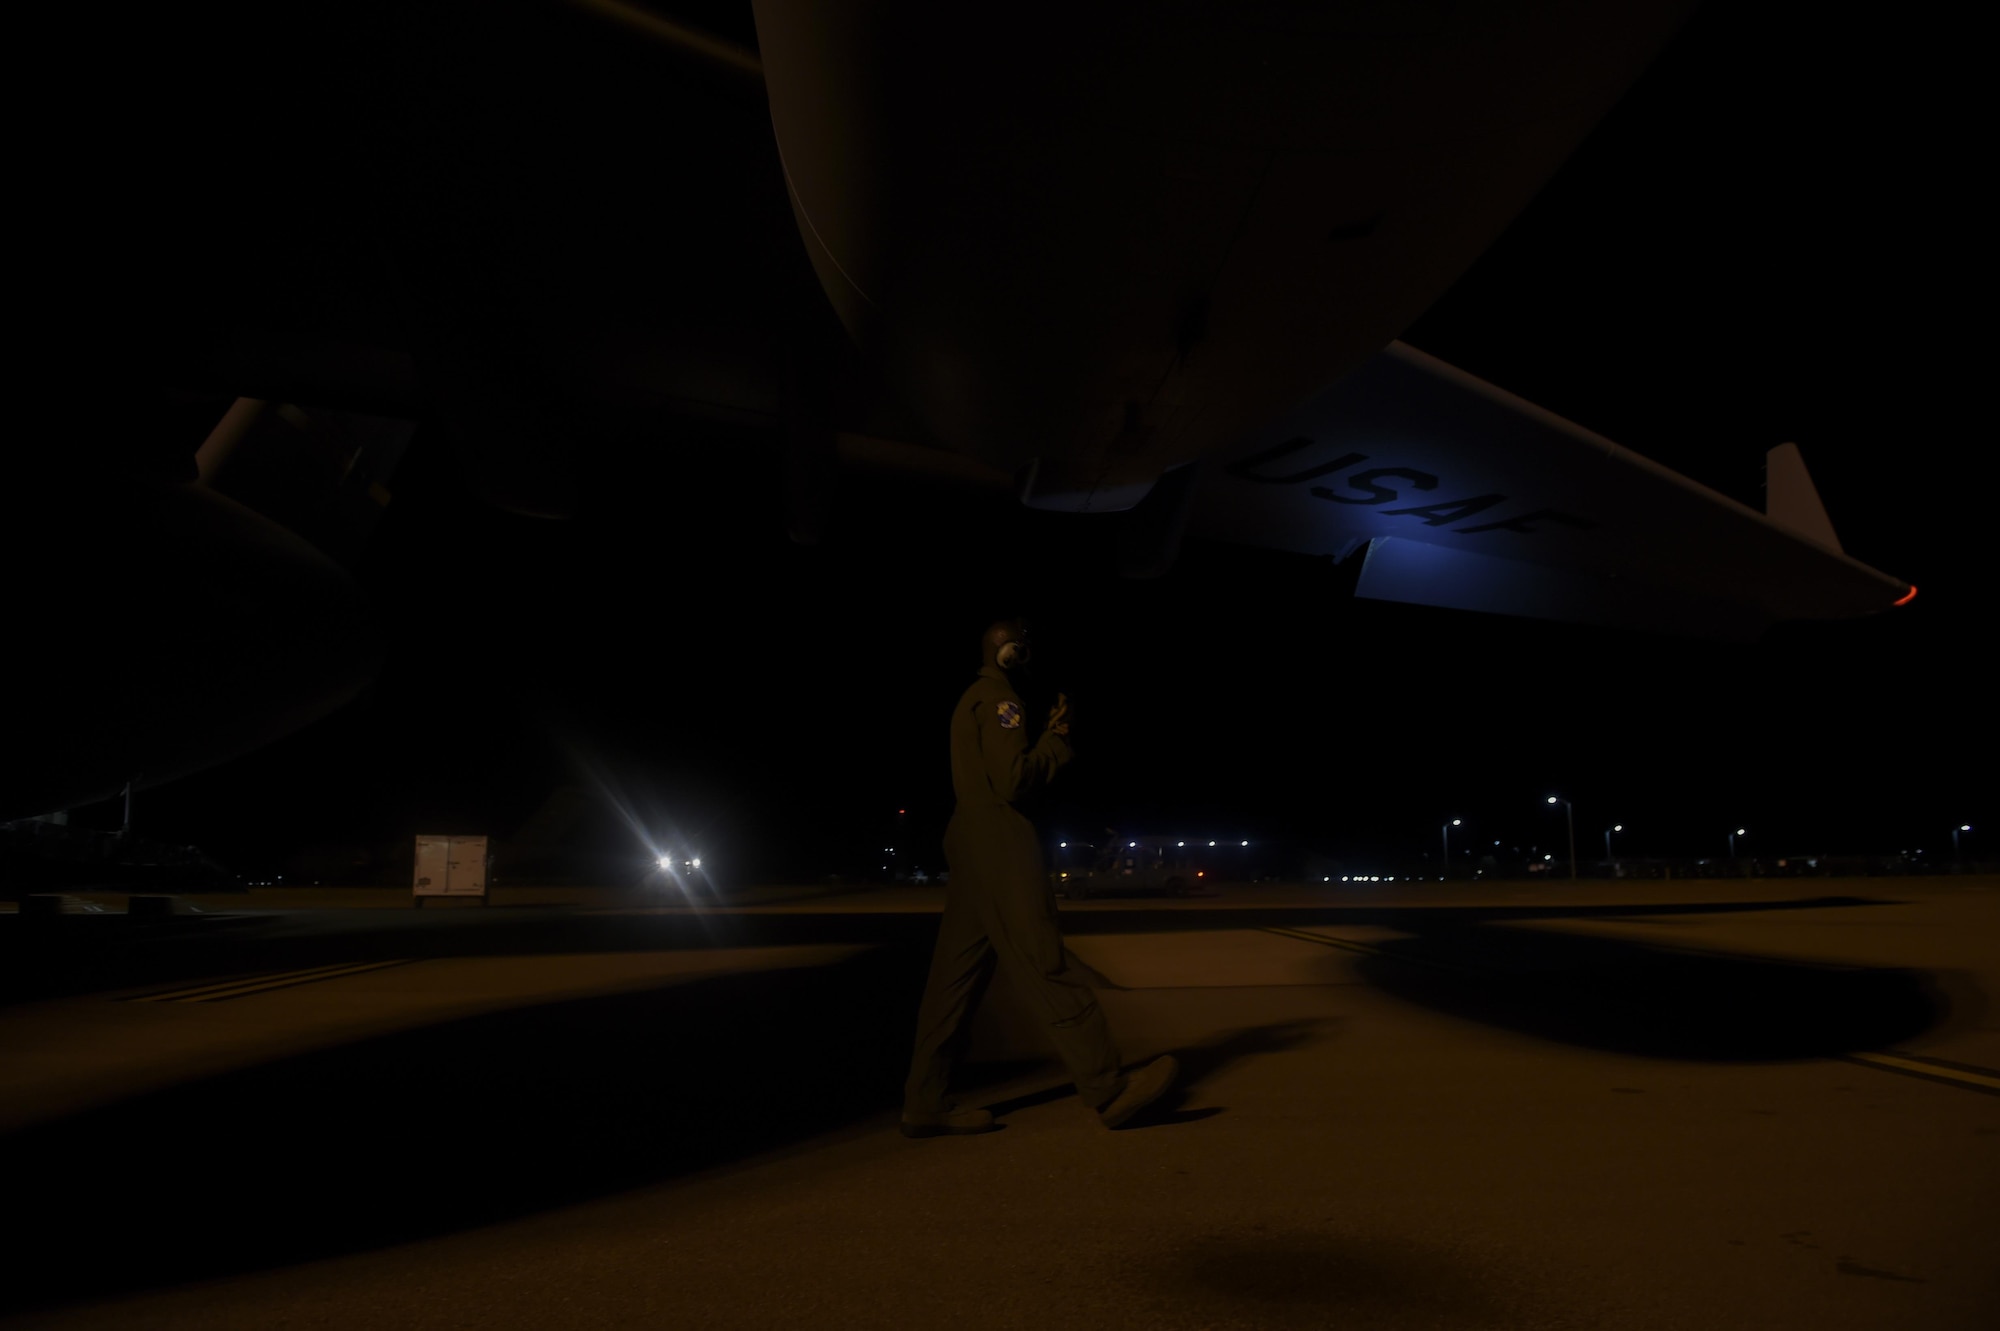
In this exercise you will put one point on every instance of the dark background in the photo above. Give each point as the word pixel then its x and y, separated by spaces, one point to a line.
pixel 1770 239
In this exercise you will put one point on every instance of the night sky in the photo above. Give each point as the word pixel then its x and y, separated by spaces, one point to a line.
pixel 1770 239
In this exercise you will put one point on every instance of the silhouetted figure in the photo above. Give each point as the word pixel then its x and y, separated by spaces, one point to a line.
pixel 1000 909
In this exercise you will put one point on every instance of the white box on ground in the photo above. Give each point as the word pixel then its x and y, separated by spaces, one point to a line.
pixel 450 866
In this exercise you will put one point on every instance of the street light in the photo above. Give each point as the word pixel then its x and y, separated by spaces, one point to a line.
pixel 1570 810
pixel 1446 871
pixel 1615 827
pixel 1962 827
pixel 1732 841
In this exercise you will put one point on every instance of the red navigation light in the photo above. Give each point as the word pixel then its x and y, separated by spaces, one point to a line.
pixel 902 811
pixel 1908 596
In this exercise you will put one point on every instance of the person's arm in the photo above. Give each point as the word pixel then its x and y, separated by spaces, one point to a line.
pixel 1015 768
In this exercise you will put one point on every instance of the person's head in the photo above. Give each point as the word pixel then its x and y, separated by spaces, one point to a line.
pixel 1005 644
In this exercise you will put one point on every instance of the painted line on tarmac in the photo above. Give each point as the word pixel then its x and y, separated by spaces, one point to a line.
pixel 259 984
pixel 1965 1076
pixel 1365 949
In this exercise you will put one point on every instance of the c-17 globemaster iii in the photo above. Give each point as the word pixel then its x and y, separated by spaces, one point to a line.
pixel 1121 259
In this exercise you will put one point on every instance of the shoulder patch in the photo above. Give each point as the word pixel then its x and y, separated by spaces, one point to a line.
pixel 1010 714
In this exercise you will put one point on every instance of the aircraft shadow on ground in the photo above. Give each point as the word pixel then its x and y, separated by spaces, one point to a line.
pixel 447 1127
pixel 480 1120
pixel 1630 997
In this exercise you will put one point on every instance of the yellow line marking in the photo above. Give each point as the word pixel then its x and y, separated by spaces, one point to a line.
pixel 286 982
pixel 170 995
pixel 1365 949
pixel 1924 1067
pixel 205 993
pixel 1286 931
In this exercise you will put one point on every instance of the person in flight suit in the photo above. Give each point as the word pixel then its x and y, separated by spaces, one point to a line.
pixel 999 909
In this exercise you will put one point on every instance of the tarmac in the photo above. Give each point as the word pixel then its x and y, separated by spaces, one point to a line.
pixel 1730 1103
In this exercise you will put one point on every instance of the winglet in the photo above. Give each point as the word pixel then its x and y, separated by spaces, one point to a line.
pixel 1790 499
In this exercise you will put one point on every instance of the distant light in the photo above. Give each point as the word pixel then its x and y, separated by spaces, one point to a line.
pixel 697 861
pixel 1211 843
pixel 1548 857
pixel 1908 596
pixel 1131 843
pixel 1246 843
pixel 1065 875
pixel 666 863
pixel 1180 843
pixel 1327 879
pixel 1201 873
pixel 1063 844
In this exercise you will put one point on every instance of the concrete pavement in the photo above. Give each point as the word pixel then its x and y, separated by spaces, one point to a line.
pixel 1612 1105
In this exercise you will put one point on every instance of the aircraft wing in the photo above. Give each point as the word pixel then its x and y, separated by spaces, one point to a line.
pixel 1466 497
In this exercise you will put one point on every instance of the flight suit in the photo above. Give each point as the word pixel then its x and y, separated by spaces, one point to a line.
pixel 999 907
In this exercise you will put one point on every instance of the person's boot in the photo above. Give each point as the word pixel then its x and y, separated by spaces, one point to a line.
pixel 1140 1089
pixel 951 1121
